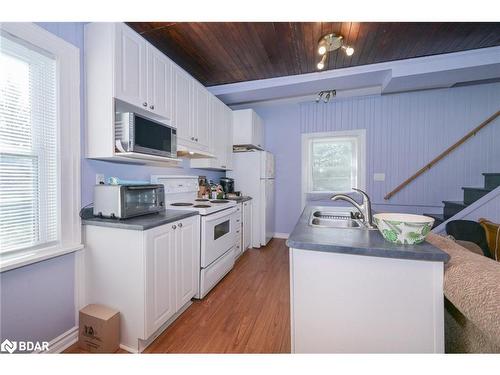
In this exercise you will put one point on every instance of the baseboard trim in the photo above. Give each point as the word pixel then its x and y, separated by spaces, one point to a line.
pixel 283 236
pixel 62 342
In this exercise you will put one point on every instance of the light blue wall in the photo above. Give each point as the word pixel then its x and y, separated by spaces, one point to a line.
pixel 37 301
pixel 404 132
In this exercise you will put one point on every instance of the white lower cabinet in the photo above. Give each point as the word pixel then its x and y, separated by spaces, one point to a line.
pixel 247 224
pixel 187 255
pixel 161 298
pixel 244 231
pixel 345 303
pixel 239 231
pixel 149 276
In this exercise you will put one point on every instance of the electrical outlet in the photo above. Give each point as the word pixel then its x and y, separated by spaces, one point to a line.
pixel 379 177
pixel 99 178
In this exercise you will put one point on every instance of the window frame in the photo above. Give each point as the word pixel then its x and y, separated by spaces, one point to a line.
pixel 67 59
pixel 307 139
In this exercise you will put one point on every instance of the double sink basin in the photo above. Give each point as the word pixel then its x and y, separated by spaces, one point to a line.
pixel 332 218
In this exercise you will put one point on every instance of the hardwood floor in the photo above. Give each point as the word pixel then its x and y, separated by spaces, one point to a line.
pixel 247 312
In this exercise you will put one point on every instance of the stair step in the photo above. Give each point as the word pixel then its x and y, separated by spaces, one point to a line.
pixel 438 219
pixel 451 208
pixel 491 180
pixel 472 194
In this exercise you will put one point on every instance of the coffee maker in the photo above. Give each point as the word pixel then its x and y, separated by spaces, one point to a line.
pixel 227 185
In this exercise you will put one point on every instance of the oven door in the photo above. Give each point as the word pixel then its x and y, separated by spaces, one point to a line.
pixel 218 235
pixel 140 200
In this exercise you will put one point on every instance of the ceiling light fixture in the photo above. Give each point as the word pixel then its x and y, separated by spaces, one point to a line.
pixel 329 43
pixel 326 95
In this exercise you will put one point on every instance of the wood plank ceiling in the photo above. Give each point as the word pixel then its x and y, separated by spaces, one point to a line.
pixel 226 52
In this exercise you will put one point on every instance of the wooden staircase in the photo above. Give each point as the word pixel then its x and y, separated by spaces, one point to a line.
pixel 471 194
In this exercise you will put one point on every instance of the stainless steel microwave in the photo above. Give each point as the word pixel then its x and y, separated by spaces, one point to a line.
pixel 136 133
pixel 124 201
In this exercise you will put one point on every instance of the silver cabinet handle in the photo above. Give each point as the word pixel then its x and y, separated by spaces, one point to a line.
pixel 174 227
pixel 180 225
pixel 145 104
pixel 152 106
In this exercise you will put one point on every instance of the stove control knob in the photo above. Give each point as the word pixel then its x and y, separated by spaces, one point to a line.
pixel 180 225
pixel 174 226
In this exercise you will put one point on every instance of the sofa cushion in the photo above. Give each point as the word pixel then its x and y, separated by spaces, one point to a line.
pixel 472 284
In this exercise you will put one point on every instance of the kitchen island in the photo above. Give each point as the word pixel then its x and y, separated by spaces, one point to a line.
pixel 353 292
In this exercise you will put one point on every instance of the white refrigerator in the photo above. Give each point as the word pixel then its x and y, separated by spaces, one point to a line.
pixel 253 174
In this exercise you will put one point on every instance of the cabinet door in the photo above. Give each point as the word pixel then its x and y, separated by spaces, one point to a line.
pixel 257 131
pixel 187 260
pixel 201 117
pixel 247 224
pixel 160 276
pixel 229 138
pixel 219 132
pixel 182 100
pixel 159 83
pixel 131 70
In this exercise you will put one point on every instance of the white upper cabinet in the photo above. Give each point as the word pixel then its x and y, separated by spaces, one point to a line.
pixel 182 100
pixel 131 67
pixel 124 72
pixel 220 136
pixel 143 74
pixel 228 114
pixel 191 112
pixel 248 129
pixel 201 119
pixel 159 83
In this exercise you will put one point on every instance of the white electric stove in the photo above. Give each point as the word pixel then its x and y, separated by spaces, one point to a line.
pixel 218 223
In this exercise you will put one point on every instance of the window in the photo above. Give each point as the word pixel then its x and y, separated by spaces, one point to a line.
pixel 39 145
pixel 332 163
pixel 28 152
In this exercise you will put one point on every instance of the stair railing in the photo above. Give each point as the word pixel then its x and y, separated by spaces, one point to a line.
pixel 441 156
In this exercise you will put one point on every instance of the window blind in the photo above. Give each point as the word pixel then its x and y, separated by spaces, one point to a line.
pixel 28 146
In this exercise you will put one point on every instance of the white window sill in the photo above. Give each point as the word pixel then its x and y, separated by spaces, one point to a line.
pixel 10 262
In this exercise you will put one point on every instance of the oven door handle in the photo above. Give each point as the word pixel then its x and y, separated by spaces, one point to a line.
pixel 219 215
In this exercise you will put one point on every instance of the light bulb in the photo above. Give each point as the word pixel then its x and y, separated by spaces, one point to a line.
pixel 191 152
pixel 322 50
pixel 349 51
pixel 321 64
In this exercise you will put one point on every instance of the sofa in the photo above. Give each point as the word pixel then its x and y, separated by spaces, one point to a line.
pixel 472 299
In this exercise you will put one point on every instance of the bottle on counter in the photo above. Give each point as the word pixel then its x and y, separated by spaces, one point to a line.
pixel 220 192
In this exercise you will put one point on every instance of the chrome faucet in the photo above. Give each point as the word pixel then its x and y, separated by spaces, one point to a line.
pixel 365 208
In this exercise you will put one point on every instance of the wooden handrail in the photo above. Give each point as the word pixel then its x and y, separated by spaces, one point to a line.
pixel 429 165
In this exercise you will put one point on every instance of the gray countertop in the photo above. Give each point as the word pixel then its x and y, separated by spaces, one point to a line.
pixel 137 223
pixel 357 242
pixel 240 199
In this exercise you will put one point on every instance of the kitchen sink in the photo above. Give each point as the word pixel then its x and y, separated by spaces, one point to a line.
pixel 335 223
pixel 332 219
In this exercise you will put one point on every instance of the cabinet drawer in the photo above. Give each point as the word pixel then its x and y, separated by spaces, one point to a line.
pixel 210 276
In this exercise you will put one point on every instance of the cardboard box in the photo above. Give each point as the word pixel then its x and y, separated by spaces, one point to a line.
pixel 99 329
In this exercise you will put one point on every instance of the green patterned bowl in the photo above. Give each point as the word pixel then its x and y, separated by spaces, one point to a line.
pixel 403 229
